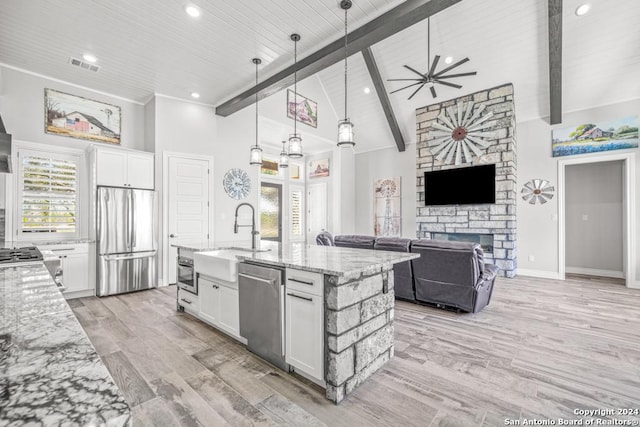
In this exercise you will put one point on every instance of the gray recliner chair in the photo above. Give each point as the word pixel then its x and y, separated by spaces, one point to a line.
pixel 325 238
pixel 402 274
pixel 357 241
pixel 452 274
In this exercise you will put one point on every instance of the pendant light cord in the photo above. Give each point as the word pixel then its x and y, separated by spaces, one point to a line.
pixel 345 65
pixel 256 104
pixel 295 87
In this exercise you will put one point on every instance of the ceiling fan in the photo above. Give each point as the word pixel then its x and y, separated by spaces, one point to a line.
pixel 431 78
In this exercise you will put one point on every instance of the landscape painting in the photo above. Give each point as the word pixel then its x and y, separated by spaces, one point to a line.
pixel 596 136
pixel 319 168
pixel 78 117
pixel 306 109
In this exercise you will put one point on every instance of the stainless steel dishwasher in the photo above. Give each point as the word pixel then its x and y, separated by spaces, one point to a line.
pixel 261 292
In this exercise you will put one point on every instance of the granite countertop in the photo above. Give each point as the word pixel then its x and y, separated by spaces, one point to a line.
pixel 50 374
pixel 332 260
pixel 9 244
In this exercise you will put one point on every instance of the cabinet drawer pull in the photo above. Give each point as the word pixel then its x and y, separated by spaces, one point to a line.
pixel 298 296
pixel 304 282
pixel 184 300
pixel 62 250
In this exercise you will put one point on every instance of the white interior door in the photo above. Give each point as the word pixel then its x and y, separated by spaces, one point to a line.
pixel 188 206
pixel 316 210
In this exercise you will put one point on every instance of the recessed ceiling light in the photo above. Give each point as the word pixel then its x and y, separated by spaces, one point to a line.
pixel 195 95
pixel 89 58
pixel 448 60
pixel 583 9
pixel 367 90
pixel 192 11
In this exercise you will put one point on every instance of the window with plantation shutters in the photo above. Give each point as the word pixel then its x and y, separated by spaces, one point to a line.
pixel 297 212
pixel 48 190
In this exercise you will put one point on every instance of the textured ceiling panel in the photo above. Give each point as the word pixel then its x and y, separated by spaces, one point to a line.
pixel 152 46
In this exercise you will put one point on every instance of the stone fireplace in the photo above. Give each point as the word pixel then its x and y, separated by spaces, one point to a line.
pixel 491 225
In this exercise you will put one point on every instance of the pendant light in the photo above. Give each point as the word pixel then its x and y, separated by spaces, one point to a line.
pixel 345 127
pixel 256 151
pixel 295 141
pixel 284 156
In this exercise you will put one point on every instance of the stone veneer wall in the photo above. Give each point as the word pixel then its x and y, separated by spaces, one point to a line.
pixel 358 329
pixel 498 219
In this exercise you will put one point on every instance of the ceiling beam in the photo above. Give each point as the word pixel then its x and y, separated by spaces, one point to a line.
pixel 374 72
pixel 555 61
pixel 395 20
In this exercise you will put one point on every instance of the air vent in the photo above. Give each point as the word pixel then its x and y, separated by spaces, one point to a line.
pixel 83 64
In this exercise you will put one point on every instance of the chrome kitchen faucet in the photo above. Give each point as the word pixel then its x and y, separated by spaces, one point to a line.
pixel 254 233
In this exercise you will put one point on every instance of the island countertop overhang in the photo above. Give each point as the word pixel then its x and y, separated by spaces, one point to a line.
pixel 330 260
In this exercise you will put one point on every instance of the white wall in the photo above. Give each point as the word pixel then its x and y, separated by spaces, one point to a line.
pixel 386 163
pixel 594 213
pixel 234 138
pixel 22 110
pixel 538 224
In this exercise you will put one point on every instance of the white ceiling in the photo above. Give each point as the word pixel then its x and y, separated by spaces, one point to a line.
pixel 152 46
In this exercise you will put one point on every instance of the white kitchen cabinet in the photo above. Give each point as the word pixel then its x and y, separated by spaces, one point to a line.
pixel 189 301
pixel 209 293
pixel 140 171
pixel 229 314
pixel 75 272
pixel 304 314
pixel 74 261
pixel 124 168
pixel 219 304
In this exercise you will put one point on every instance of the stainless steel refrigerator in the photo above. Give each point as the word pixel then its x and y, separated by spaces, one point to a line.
pixel 126 240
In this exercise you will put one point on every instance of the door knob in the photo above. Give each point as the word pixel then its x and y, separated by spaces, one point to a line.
pixel 172 235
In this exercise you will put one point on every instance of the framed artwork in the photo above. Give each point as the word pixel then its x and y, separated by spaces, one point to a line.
pixel 592 137
pixel 387 207
pixel 319 168
pixel 78 117
pixel 306 109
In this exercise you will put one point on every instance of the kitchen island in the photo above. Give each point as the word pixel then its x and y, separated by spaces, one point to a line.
pixel 352 300
pixel 50 374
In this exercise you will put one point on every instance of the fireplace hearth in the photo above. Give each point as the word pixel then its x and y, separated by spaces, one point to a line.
pixel 485 240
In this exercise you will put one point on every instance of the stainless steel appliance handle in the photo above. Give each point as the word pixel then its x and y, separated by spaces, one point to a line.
pixel 304 282
pixel 184 300
pixel 298 296
pixel 62 250
pixel 259 279
pixel 129 256
pixel 133 219
pixel 129 221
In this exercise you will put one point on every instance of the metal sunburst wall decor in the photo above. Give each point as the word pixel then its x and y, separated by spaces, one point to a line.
pixel 537 191
pixel 432 78
pixel 460 133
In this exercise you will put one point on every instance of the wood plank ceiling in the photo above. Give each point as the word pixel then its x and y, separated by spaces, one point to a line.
pixel 152 46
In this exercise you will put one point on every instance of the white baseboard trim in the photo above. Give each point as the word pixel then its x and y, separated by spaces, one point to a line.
pixel 538 273
pixel 80 294
pixel 595 272
pixel 634 285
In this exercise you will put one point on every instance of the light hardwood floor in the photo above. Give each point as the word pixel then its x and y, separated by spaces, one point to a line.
pixel 541 349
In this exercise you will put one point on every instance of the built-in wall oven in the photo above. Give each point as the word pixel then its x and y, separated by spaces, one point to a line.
pixel 186 275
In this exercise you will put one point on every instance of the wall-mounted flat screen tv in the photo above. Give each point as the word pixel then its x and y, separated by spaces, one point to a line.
pixel 460 186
